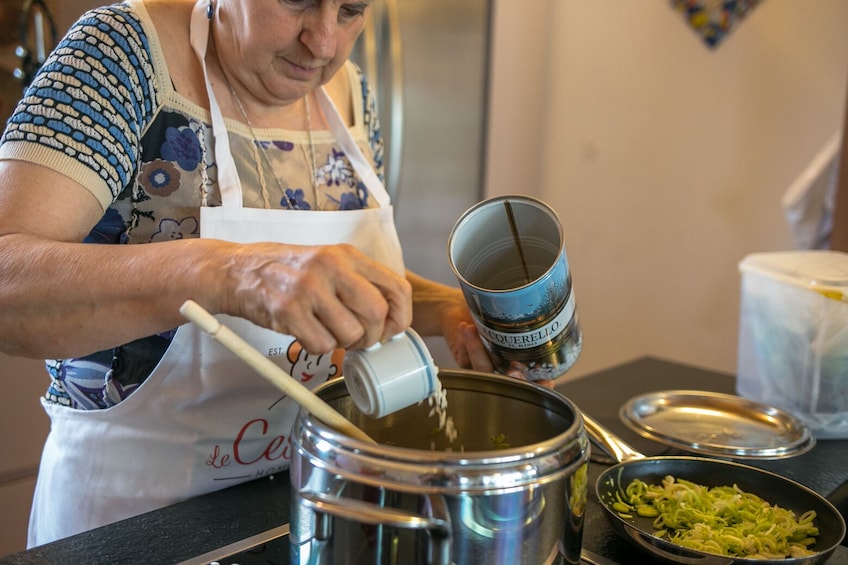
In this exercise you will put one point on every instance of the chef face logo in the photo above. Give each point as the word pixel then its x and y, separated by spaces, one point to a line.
pixel 309 369
pixel 305 367
pixel 258 440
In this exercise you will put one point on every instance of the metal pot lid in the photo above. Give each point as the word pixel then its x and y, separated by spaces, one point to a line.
pixel 721 425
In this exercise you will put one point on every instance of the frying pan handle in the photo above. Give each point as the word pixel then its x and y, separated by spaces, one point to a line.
pixel 617 447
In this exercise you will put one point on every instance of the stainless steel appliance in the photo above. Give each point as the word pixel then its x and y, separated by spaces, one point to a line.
pixel 429 65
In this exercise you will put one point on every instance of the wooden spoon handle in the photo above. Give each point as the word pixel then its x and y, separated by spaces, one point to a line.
pixel 274 374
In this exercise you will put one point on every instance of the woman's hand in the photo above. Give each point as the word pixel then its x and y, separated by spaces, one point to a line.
pixel 464 341
pixel 441 310
pixel 328 297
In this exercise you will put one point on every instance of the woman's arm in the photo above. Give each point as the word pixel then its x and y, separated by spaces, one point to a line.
pixel 62 298
pixel 438 309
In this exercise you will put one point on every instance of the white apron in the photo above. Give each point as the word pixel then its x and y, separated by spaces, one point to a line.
pixel 203 420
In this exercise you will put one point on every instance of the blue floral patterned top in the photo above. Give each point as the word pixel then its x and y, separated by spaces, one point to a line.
pixel 104 112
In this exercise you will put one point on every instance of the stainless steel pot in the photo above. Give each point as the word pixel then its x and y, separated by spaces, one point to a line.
pixel 416 498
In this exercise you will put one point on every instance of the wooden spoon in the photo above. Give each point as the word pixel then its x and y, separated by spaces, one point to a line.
pixel 274 374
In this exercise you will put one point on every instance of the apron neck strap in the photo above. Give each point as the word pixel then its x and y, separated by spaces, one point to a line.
pixel 359 162
pixel 228 179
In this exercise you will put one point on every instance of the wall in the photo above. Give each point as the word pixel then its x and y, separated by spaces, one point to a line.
pixel 665 160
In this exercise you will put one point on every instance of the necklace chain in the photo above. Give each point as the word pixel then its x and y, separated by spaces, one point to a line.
pixel 313 176
pixel 312 172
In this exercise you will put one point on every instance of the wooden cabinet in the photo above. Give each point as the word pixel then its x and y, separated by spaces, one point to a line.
pixel 32 29
pixel 23 428
pixel 23 423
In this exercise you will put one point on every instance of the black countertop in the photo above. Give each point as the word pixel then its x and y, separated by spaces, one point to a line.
pixel 203 525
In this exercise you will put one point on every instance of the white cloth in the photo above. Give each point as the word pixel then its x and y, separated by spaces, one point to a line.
pixel 809 201
pixel 202 420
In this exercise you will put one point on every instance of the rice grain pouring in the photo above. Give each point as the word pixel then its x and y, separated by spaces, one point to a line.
pixel 508 254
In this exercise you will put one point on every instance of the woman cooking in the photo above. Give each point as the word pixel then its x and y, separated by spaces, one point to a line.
pixel 237 143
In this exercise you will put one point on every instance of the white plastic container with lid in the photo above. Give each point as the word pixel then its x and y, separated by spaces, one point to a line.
pixel 793 336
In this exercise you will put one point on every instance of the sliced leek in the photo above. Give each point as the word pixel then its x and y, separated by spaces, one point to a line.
pixel 721 520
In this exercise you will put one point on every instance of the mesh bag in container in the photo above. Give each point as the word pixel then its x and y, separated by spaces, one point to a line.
pixel 793 336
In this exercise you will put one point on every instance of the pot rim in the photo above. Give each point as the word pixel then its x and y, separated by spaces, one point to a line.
pixel 469 471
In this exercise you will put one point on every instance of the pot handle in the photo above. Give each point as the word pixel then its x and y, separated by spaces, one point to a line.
pixel 617 447
pixel 438 525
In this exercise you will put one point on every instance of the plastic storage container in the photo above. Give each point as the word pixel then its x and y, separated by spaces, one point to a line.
pixel 793 336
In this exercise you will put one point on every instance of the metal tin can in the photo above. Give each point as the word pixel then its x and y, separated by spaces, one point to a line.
pixel 508 254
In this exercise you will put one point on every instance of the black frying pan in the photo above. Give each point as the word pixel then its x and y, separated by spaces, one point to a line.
pixel 709 472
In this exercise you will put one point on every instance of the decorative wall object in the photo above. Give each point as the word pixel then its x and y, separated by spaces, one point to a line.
pixel 713 20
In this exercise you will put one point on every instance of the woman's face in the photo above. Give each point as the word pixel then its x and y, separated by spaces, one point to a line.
pixel 280 50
